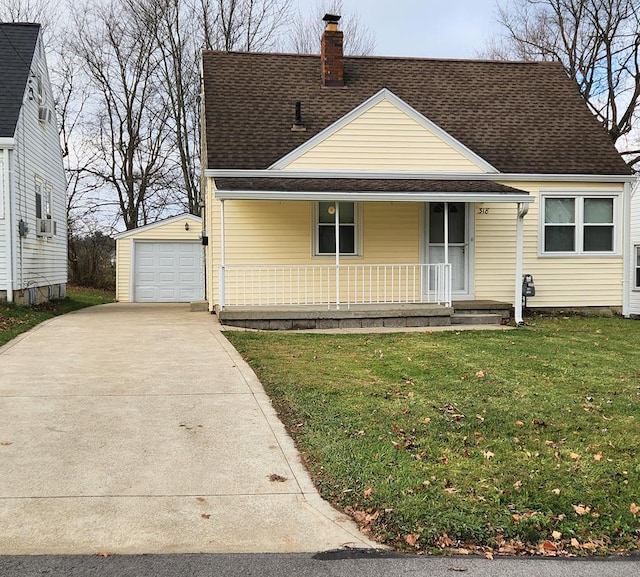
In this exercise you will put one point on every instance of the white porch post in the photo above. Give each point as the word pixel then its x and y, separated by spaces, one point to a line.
pixel 337 216
pixel 523 208
pixel 446 254
pixel 221 270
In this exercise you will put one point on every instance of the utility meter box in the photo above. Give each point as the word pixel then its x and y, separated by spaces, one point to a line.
pixel 528 286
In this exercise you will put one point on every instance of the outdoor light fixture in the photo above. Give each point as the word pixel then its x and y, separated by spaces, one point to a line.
pixel 186 226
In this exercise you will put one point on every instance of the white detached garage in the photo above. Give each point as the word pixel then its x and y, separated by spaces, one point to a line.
pixel 161 262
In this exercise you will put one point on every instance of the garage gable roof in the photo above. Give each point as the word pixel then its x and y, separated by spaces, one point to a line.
pixel 134 231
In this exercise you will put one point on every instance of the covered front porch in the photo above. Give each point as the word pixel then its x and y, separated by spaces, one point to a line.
pixel 366 282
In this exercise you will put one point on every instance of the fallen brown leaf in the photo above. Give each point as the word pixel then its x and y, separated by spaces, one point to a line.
pixel 580 509
pixel 275 478
pixel 102 554
pixel 635 509
pixel 411 539
pixel 368 492
pixel 205 516
pixel 556 535
pixel 549 546
pixel 575 543
pixel 597 457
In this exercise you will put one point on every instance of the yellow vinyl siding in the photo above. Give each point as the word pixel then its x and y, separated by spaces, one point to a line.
pixel 264 233
pixel 572 281
pixel 172 231
pixel 384 138
pixel 277 232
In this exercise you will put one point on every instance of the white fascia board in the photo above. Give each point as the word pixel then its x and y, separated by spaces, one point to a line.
pixel 417 175
pixel 7 143
pixel 153 225
pixel 384 94
pixel 365 196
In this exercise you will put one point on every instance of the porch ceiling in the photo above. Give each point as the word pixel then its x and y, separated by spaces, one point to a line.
pixel 351 189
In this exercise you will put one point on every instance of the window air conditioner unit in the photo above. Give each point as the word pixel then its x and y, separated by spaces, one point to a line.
pixel 44 114
pixel 45 227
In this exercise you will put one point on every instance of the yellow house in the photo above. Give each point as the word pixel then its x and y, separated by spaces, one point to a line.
pixel 442 182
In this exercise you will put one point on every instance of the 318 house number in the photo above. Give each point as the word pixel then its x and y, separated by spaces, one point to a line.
pixel 483 210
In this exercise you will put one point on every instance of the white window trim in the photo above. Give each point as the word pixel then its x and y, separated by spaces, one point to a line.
pixel 636 267
pixel 582 194
pixel 316 254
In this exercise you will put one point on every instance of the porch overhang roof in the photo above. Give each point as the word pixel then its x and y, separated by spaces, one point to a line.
pixel 367 189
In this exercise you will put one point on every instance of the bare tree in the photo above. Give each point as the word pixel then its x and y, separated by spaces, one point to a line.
pixel 597 41
pixel 307 29
pixel 244 25
pixel 36 11
pixel 128 117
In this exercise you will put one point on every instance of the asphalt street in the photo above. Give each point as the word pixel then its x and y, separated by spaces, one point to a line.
pixel 332 564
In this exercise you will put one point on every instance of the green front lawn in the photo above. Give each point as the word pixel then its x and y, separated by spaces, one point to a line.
pixel 515 442
pixel 18 319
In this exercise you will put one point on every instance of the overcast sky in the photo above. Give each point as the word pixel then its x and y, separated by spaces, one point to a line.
pixel 425 28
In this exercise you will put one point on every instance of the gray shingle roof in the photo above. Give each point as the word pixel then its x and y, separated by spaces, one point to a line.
pixel 522 117
pixel 362 185
pixel 17 45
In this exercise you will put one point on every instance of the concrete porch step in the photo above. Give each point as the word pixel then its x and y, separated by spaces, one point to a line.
pixel 476 319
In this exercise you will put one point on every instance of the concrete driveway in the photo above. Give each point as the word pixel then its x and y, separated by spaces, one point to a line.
pixel 138 429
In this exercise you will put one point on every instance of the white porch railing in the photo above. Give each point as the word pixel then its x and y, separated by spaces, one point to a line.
pixel 348 284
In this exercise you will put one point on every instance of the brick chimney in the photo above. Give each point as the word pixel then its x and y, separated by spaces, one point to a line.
pixel 331 55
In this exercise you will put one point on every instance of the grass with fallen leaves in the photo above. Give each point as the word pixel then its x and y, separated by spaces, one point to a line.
pixel 15 320
pixel 516 442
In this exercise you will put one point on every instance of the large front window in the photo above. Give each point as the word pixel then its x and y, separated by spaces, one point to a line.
pixel 326 228
pixel 578 224
pixel 637 267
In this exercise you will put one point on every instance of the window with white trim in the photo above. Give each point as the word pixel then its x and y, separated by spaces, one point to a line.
pixel 578 224
pixel 325 228
pixel 637 267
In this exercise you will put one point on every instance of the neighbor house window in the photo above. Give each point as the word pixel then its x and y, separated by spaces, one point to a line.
pixel 43 199
pixel 637 267
pixel 325 241
pixel 578 224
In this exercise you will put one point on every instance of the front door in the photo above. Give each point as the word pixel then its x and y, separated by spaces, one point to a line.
pixel 459 216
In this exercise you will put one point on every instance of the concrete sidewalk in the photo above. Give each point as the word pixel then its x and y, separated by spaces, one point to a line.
pixel 139 429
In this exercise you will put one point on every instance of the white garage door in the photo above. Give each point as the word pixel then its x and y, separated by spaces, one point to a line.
pixel 168 272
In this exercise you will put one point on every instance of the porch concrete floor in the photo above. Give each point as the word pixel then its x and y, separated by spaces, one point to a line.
pixel 398 316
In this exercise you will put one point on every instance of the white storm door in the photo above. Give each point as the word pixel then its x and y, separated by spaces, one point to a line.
pixel 459 216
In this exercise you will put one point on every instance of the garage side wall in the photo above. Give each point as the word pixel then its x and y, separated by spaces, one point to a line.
pixel 171 231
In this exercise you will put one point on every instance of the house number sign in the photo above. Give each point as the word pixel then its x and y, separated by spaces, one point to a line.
pixel 483 210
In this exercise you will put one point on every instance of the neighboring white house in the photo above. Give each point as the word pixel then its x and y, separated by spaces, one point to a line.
pixel 161 262
pixel 634 292
pixel 33 219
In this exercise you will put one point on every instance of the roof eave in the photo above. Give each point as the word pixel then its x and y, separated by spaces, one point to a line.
pixel 368 196
pixel 418 175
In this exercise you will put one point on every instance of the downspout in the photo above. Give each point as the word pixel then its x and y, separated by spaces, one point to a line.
pixel 337 221
pixel 627 250
pixel 523 209
pixel 221 270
